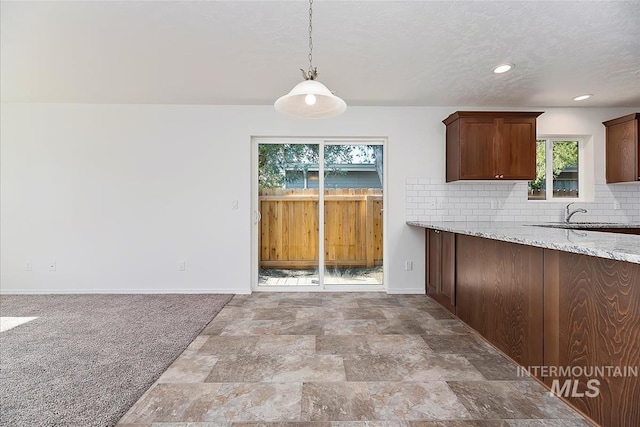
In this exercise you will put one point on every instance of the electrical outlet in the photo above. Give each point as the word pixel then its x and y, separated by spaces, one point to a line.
pixel 234 205
pixel 182 265
pixel 408 265
pixel 432 204
pixel 616 205
pixel 439 204
pixel 494 204
pixel 27 266
pixel 52 266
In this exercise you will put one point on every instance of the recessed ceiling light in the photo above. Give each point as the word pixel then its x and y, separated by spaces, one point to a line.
pixel 583 97
pixel 503 68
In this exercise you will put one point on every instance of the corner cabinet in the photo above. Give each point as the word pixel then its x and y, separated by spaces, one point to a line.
pixel 441 267
pixel 491 145
pixel 623 149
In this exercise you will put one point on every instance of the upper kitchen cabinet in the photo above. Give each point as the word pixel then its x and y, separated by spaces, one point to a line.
pixel 623 149
pixel 496 145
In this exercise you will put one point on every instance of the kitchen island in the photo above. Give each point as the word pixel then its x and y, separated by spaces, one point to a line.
pixel 562 303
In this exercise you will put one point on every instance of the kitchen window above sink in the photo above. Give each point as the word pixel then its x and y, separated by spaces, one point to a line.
pixel 558 169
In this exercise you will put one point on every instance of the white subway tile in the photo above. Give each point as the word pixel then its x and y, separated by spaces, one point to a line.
pixel 473 202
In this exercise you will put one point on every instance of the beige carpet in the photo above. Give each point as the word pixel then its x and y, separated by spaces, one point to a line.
pixel 86 359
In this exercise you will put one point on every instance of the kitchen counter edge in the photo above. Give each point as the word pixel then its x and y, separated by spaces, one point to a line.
pixel 620 247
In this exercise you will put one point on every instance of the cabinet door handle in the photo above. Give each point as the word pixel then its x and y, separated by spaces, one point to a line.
pixel 437 231
pixel 501 176
pixel 497 176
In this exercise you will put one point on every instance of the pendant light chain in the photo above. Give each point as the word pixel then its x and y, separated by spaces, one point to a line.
pixel 310 35
pixel 313 73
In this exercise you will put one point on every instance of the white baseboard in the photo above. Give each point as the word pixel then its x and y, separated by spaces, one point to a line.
pixel 118 292
pixel 406 291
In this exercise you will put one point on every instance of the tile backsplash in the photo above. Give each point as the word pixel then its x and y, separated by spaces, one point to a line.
pixel 431 199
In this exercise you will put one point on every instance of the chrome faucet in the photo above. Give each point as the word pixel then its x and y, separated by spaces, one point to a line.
pixel 568 214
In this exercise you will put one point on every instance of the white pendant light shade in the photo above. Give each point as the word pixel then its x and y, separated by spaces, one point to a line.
pixel 310 99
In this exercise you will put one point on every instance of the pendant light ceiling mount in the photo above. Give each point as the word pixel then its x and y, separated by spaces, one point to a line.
pixel 310 99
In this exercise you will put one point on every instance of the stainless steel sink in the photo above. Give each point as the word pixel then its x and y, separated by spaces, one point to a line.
pixel 580 225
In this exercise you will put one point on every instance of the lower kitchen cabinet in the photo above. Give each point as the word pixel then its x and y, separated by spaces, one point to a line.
pixel 569 318
pixel 441 268
pixel 499 293
pixel 592 319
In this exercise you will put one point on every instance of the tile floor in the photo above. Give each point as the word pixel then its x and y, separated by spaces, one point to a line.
pixel 343 360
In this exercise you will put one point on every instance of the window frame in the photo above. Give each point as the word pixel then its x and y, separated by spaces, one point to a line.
pixel 549 142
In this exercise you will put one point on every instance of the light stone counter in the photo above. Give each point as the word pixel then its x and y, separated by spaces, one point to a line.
pixel 621 247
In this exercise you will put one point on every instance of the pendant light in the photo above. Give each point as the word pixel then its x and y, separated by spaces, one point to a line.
pixel 310 99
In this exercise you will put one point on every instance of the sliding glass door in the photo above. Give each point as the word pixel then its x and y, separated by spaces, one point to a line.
pixel 353 207
pixel 306 189
pixel 288 203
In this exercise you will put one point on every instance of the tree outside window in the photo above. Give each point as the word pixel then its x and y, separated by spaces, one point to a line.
pixel 280 163
pixel 557 170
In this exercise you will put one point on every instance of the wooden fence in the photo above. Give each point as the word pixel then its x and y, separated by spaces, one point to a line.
pixel 289 227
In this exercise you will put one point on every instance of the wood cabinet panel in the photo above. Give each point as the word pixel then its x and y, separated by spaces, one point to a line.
pixel 477 159
pixel 591 315
pixel 499 294
pixel 622 162
pixel 516 153
pixel 452 164
pixel 434 261
pixel 441 273
pixel 472 258
pixel 448 281
pixel 484 145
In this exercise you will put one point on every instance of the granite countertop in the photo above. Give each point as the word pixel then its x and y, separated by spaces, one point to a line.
pixel 621 247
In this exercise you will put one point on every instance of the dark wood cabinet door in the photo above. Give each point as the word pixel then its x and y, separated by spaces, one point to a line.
pixel 434 261
pixel 622 160
pixel 441 273
pixel 499 293
pixel 591 320
pixel 516 150
pixel 477 145
pixel 448 279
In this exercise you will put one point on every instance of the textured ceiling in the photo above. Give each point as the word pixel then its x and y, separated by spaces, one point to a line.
pixel 368 52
